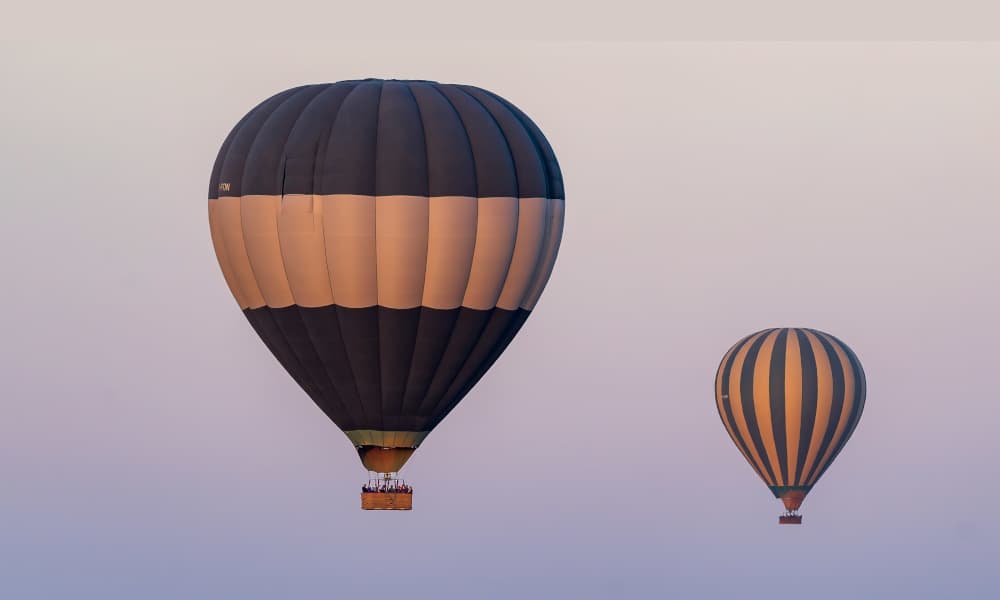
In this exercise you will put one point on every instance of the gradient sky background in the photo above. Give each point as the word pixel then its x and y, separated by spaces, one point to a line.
pixel 151 447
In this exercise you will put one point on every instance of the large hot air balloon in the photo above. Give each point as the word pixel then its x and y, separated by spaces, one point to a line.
pixel 790 399
pixel 386 240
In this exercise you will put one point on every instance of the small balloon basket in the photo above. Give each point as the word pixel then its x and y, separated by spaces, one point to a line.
pixel 790 518
pixel 386 493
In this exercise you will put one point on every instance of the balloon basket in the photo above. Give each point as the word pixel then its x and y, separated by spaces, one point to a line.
pixel 386 501
pixel 386 493
pixel 790 519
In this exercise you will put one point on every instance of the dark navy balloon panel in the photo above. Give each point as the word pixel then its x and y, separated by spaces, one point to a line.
pixel 386 240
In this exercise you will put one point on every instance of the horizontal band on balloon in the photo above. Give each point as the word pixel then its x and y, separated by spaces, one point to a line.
pixel 386 369
pixel 393 251
pixel 386 439
pixel 379 138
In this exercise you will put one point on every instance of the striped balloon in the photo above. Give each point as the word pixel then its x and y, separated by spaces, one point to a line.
pixel 386 240
pixel 790 399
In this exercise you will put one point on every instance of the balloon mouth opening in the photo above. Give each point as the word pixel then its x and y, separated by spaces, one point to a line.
pixel 384 460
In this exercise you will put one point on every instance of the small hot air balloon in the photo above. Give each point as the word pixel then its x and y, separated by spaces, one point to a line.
pixel 790 399
pixel 386 240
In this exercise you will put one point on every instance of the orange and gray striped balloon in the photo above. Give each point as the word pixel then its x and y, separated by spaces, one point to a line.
pixel 790 399
pixel 386 240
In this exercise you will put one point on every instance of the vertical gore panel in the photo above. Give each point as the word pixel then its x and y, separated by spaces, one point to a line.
pixel 359 328
pixel 553 173
pixel 228 224
pixel 323 325
pixel 349 232
pixel 840 415
pixel 497 335
pixel 762 404
pixel 810 402
pixel 738 397
pixel 495 174
pixel 303 250
pixel 263 172
pixel 776 371
pixel 531 230
pixel 307 143
pixel 451 240
pixel 267 328
pixel 260 232
pixel 451 170
pixel 550 248
pixel 349 162
pixel 401 247
pixel 468 327
pixel 397 331
pixel 724 402
pixel 233 167
pixel 793 385
pixel 400 149
pixel 226 263
pixel 433 333
pixel 528 164
pixel 495 237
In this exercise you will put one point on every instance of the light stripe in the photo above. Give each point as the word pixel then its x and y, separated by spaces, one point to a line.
pixel 793 404
pixel 550 249
pixel 824 399
pixel 303 250
pixel 527 249
pixel 227 227
pixel 496 234
pixel 736 405
pixel 845 414
pixel 721 399
pixel 349 230
pixel 762 403
pixel 451 240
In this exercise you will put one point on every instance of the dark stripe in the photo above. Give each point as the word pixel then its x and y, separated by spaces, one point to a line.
pixel 377 137
pixel 856 410
pixel 777 388
pixel 836 408
pixel 810 394
pixel 749 411
pixel 726 373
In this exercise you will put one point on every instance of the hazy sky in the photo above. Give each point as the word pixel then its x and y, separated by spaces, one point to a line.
pixel 151 447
